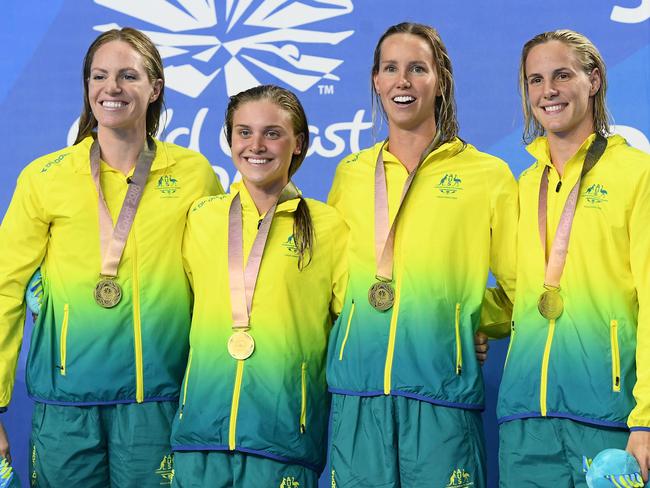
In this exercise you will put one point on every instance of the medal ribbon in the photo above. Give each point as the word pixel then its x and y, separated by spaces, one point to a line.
pixel 385 236
pixel 557 257
pixel 243 280
pixel 113 239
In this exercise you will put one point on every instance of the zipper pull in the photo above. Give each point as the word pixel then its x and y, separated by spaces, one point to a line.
pixel 559 185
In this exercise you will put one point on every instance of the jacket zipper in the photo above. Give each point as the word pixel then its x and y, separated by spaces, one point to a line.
pixel 616 358
pixel 64 339
pixel 347 332
pixel 510 342
pixel 544 376
pixel 232 431
pixel 137 327
pixel 303 404
pixel 187 380
pixel 459 347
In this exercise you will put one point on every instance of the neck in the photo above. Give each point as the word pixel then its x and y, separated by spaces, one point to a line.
pixel 264 197
pixel 408 145
pixel 563 146
pixel 120 149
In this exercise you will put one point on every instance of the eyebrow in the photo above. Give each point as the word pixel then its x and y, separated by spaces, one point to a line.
pixel 103 70
pixel 557 70
pixel 414 61
pixel 265 127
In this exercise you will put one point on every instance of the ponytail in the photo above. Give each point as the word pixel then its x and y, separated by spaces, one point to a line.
pixel 303 234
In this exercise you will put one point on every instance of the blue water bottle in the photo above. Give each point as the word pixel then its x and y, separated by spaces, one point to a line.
pixel 614 468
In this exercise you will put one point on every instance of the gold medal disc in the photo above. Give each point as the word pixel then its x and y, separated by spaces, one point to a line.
pixel 241 345
pixel 381 296
pixel 107 293
pixel 550 304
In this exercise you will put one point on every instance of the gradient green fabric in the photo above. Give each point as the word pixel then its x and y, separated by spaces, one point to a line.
pixel 80 352
pixel 275 403
pixel 398 442
pixel 124 446
pixel 458 222
pixel 588 365
pixel 551 452
pixel 236 470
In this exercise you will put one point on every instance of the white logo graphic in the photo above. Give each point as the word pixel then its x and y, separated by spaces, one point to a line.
pixel 273 40
pixel 633 136
pixel 631 15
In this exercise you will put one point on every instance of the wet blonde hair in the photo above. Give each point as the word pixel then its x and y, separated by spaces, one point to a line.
pixel 589 58
pixel 445 105
pixel 303 229
pixel 152 64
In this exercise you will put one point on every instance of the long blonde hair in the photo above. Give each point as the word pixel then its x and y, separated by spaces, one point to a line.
pixel 152 64
pixel 445 109
pixel 303 229
pixel 589 58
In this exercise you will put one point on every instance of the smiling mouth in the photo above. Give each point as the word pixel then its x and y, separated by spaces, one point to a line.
pixel 258 161
pixel 113 104
pixel 552 109
pixel 404 99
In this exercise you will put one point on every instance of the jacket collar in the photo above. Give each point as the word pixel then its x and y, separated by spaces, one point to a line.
pixel 81 156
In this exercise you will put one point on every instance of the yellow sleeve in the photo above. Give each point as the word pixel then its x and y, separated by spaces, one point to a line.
pixel 339 268
pixel 212 185
pixel 334 196
pixel 496 313
pixel 23 240
pixel 640 263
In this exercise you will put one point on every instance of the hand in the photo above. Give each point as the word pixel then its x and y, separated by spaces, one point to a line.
pixel 481 347
pixel 638 444
pixel 4 444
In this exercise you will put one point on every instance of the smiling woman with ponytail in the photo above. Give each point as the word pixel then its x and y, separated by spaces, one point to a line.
pixel 269 270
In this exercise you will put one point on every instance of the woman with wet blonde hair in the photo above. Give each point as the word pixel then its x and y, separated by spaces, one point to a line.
pixel 268 270
pixel 576 379
pixel 429 216
pixel 104 220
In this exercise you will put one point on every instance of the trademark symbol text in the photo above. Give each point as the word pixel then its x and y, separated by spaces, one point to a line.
pixel 326 89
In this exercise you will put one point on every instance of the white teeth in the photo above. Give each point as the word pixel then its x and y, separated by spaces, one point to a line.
pixel 258 161
pixel 112 104
pixel 553 108
pixel 403 99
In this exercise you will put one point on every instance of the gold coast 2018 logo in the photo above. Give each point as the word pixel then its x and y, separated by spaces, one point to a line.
pixel 238 39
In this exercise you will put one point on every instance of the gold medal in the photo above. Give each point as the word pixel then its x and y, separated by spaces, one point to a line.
pixel 381 296
pixel 241 345
pixel 550 304
pixel 107 293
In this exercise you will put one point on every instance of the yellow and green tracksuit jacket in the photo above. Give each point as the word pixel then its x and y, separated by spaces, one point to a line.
pixel 588 364
pixel 459 221
pixel 81 353
pixel 274 404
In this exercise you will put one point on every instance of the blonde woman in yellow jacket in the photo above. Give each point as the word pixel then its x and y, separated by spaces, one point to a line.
pixel 408 389
pixel 104 219
pixel 268 270
pixel 577 375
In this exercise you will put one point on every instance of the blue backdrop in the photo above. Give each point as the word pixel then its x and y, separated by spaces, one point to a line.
pixel 322 49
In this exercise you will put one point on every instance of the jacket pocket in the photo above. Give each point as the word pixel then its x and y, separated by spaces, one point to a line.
pixel 63 352
pixel 303 401
pixel 511 341
pixel 616 357
pixel 185 383
pixel 347 332
pixel 459 347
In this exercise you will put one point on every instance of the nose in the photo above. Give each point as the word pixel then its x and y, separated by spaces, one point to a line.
pixel 113 85
pixel 404 82
pixel 549 89
pixel 257 144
